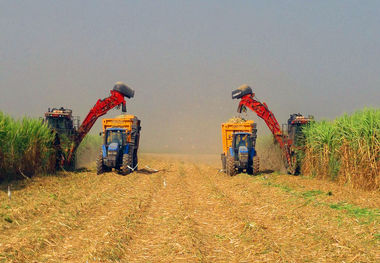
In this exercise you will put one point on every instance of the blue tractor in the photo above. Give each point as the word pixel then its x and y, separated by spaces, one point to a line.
pixel 119 150
pixel 242 155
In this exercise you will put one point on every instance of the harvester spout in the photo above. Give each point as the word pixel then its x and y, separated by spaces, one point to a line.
pixel 124 90
pixel 241 91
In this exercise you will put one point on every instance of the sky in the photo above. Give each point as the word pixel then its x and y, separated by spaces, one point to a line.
pixel 183 59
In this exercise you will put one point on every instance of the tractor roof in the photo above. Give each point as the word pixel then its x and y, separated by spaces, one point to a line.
pixel 59 113
pixel 115 129
pixel 242 133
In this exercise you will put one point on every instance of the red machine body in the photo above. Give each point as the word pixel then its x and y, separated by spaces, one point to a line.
pixel 262 110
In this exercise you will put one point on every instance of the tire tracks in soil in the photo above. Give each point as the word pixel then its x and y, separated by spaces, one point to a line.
pixel 45 233
pixel 187 212
pixel 281 227
pixel 169 233
pixel 75 235
pixel 92 238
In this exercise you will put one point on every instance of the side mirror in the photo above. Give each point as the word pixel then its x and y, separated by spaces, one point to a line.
pixel 100 133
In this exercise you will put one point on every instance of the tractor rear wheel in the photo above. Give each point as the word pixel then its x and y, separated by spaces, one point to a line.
pixel 230 166
pixel 99 164
pixel 223 157
pixel 135 160
pixel 256 165
pixel 127 164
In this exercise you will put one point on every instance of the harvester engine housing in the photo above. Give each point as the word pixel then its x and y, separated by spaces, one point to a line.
pixel 62 121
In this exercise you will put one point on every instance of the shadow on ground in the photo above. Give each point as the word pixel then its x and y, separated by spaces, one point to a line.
pixel 146 171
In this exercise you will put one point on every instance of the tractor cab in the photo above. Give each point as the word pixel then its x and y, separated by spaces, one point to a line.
pixel 115 136
pixel 242 147
pixel 114 146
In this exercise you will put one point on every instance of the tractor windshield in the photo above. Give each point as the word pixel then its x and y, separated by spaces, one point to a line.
pixel 242 140
pixel 115 136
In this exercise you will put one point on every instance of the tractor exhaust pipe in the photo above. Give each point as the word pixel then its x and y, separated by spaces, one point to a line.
pixel 241 91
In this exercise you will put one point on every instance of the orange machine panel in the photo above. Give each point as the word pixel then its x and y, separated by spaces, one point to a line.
pixel 123 121
pixel 230 128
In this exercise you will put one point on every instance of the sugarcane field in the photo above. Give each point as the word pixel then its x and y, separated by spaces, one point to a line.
pixel 173 131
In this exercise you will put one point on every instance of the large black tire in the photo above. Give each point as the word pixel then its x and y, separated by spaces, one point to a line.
pixel 256 165
pixel 230 166
pixel 223 157
pixel 127 163
pixel 294 168
pixel 99 164
pixel 72 165
pixel 250 170
pixel 135 160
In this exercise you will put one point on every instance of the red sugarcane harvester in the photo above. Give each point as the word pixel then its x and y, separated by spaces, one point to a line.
pixel 291 141
pixel 68 132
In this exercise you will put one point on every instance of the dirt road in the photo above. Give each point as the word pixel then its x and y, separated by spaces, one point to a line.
pixel 186 212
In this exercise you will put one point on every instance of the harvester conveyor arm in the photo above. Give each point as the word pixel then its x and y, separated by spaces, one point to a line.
pixel 247 100
pixel 101 107
pixel 261 109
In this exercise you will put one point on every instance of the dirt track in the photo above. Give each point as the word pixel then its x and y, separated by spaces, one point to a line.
pixel 187 212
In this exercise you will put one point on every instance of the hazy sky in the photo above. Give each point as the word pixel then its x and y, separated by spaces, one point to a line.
pixel 183 58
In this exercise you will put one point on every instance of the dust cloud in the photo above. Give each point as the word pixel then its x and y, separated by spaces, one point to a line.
pixel 184 58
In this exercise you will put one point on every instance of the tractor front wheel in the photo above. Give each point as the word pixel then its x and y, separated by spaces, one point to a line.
pixel 293 168
pixel 127 164
pixel 230 166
